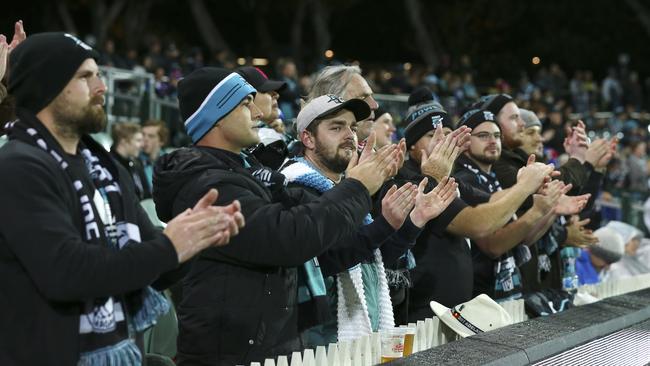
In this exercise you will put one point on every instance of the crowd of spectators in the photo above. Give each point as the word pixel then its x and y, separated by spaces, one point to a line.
pixel 299 216
pixel 615 105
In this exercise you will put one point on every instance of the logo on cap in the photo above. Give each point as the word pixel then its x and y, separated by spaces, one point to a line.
pixel 489 116
pixel 78 42
pixel 435 120
pixel 334 98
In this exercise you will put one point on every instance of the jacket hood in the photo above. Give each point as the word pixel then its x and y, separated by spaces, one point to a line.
pixel 172 171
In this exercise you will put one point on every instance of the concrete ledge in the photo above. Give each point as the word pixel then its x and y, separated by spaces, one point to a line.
pixel 540 338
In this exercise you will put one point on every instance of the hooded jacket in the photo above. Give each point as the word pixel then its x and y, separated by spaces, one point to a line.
pixel 239 300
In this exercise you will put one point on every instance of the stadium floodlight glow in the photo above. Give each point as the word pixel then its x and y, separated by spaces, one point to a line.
pixel 260 61
pixel 536 60
pixel 329 53
pixel 407 66
pixel 241 61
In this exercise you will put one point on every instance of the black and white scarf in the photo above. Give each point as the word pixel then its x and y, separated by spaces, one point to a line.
pixel 107 325
pixel 508 278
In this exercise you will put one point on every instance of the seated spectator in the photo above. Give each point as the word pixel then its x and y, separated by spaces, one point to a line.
pixel 531 142
pixel 630 264
pixel 383 127
pixel 595 260
pixel 155 136
pixel 127 142
pixel 637 167
pixel 270 154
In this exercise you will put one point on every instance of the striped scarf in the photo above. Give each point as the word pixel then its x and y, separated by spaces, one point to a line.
pixel 352 310
pixel 107 324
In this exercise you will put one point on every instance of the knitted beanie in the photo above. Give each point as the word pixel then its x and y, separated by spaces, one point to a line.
pixel 422 118
pixel 207 95
pixel 42 65
pixel 530 118
pixel 475 117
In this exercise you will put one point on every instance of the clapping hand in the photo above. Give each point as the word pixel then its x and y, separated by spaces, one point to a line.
pixel 6 48
pixel 578 235
pixel 397 203
pixel 429 205
pixel 439 161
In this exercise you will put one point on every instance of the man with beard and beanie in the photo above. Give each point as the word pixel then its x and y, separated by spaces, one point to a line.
pixel 497 257
pixel 575 171
pixel 272 151
pixel 354 276
pixel 79 254
pixel 443 260
pixel 543 270
pixel 239 305
pixel 576 233
pixel 347 82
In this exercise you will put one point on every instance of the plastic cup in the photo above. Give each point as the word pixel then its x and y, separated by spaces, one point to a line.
pixel 392 344
pixel 409 337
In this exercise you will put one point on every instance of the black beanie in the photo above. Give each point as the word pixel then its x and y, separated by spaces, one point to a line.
pixel 422 118
pixel 420 95
pixel 495 102
pixel 475 117
pixel 42 65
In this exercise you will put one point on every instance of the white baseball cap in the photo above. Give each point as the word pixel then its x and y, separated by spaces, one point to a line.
pixel 329 104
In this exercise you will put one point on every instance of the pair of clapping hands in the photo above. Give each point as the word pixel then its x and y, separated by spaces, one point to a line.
pixel 203 226
pixel 436 161
pixel 6 48
pixel 598 153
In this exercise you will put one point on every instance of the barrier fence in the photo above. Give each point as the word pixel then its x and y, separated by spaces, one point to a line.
pixel 430 332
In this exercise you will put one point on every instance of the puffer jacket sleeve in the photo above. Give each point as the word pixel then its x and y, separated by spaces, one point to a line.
pixel 277 235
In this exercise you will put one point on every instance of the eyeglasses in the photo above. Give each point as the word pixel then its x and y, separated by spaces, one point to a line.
pixel 485 136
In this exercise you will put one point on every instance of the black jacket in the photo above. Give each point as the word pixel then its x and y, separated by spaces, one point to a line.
pixel 511 161
pixel 136 171
pixel 239 301
pixel 485 278
pixel 443 269
pixel 359 247
pixel 572 172
pixel 46 268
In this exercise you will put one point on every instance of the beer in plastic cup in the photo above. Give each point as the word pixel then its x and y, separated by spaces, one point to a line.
pixel 409 337
pixel 392 344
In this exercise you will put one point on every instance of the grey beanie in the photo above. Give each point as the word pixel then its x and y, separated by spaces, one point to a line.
pixel 530 118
